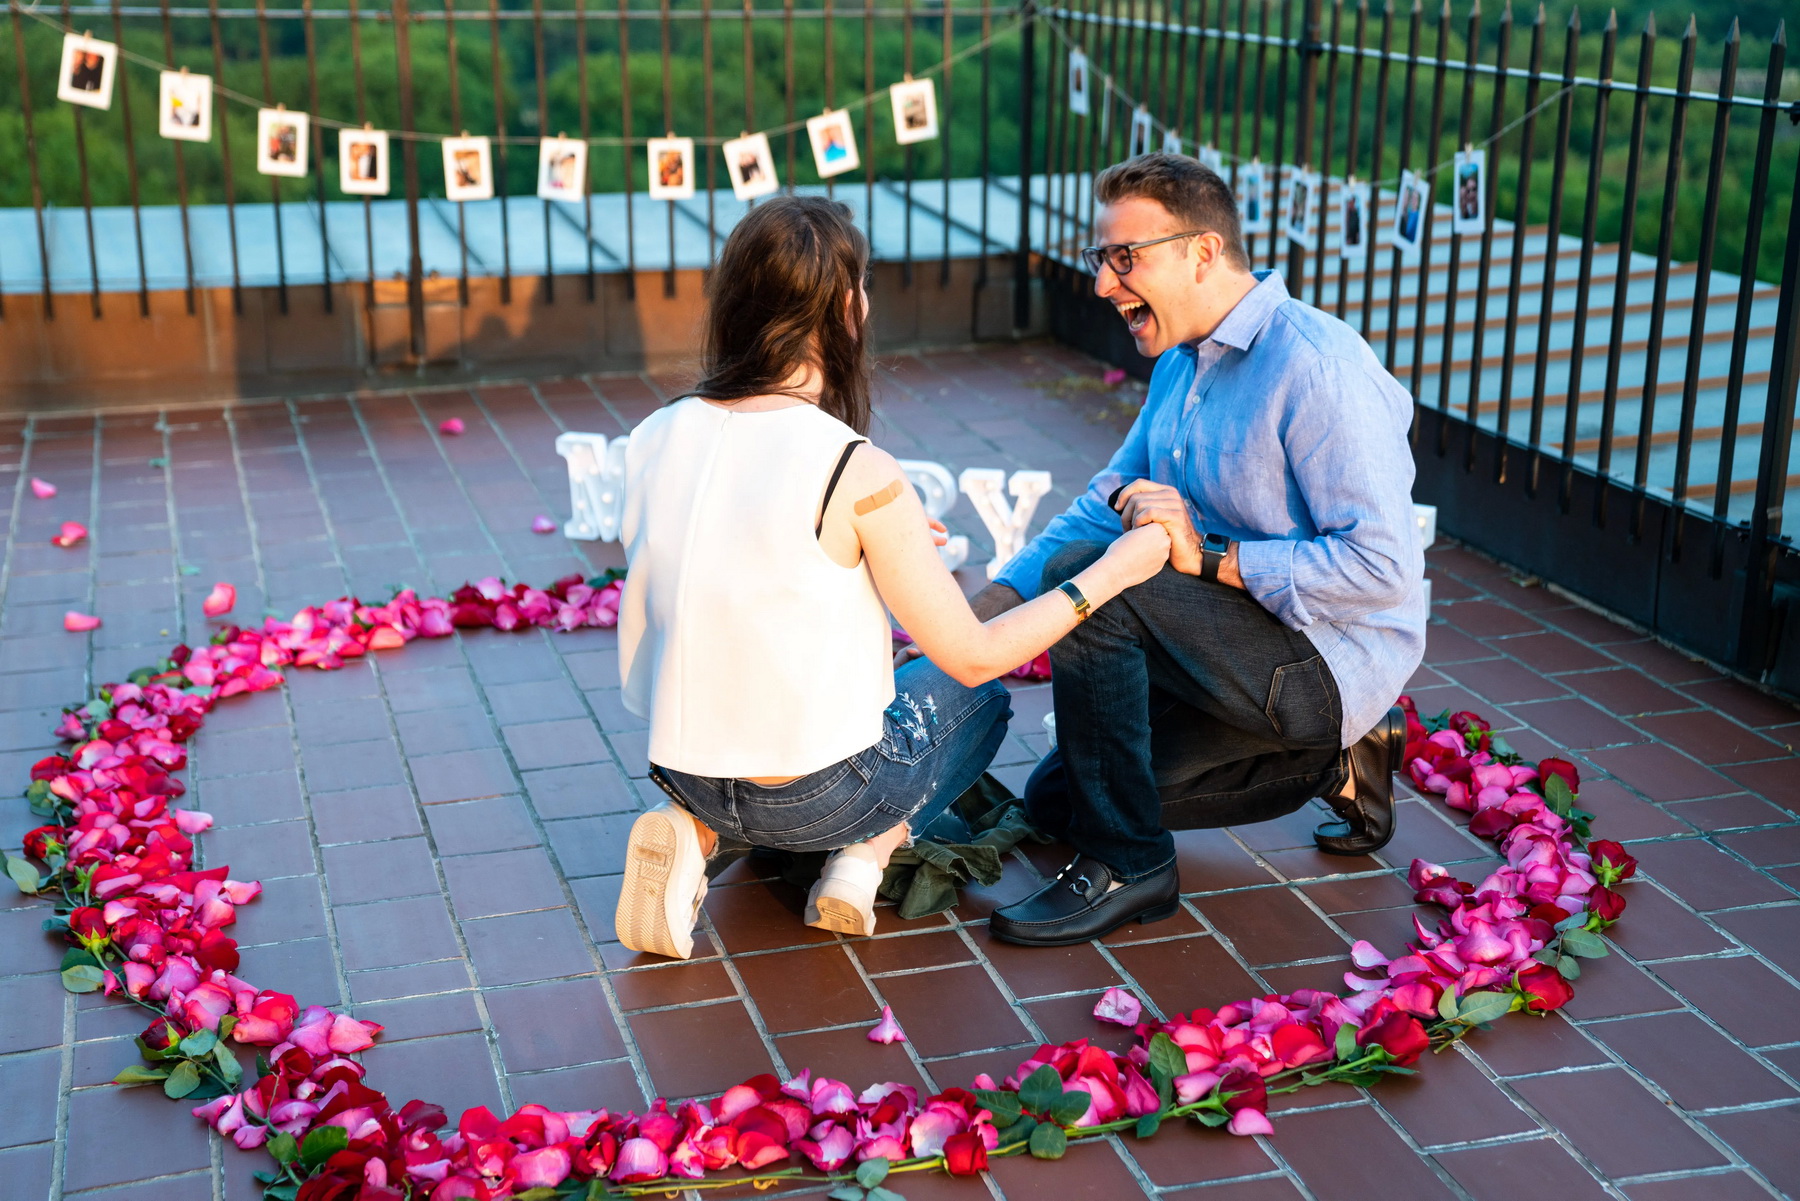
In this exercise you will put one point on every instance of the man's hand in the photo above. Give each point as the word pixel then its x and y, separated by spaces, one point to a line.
pixel 988 604
pixel 1143 502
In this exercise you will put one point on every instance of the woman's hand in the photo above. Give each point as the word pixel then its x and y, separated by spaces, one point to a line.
pixel 1136 555
pixel 940 533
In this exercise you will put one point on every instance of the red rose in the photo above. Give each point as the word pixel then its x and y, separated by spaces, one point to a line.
pixel 45 841
pixel 1249 1089
pixel 162 1034
pixel 1396 1032
pixel 1605 903
pixel 1475 731
pixel 1612 862
pixel 965 1154
pixel 1543 987
pixel 1559 767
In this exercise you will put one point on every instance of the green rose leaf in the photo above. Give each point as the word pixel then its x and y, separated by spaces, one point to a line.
pixel 1048 1142
pixel 1482 1007
pixel 1070 1106
pixel 1346 1041
pixel 871 1172
pixel 1558 796
pixel 284 1147
pixel 884 1194
pixel 1569 968
pixel 281 1192
pixel 537 1194
pixel 1004 1105
pixel 1584 943
pixel 199 1043
pixel 1019 1132
pixel 227 1024
pixel 76 957
pixel 83 978
pixel 24 875
pixel 1447 1005
pixel 182 1081
pixel 1166 1059
pixel 847 1192
pixel 1147 1125
pixel 137 1074
pixel 322 1144
pixel 227 1064
pixel 1041 1090
pixel 1211 1117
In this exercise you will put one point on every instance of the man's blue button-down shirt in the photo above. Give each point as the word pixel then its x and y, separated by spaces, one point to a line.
pixel 1284 432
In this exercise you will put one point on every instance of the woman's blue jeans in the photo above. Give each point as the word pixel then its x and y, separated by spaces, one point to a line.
pixel 938 737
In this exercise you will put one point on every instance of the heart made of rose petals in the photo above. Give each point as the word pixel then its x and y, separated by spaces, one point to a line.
pixel 220 600
pixel 72 533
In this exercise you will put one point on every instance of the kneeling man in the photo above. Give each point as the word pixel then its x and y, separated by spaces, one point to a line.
pixel 1258 670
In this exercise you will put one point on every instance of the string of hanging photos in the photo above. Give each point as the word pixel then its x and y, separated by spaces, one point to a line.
pixel 1306 192
pixel 283 136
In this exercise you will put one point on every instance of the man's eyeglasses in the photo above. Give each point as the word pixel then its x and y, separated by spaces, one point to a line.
pixel 1118 255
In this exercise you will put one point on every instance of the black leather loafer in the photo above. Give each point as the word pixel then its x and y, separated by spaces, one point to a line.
pixel 1077 907
pixel 1366 821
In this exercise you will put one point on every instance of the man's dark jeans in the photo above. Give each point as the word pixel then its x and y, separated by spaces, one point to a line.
pixel 1179 704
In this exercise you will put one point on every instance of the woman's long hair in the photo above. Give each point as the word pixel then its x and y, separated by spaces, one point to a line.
pixel 784 294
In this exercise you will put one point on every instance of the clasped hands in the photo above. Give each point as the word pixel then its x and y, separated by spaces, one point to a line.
pixel 1142 502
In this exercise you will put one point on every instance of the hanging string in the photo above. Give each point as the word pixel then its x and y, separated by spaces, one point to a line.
pixel 1111 89
pixel 520 140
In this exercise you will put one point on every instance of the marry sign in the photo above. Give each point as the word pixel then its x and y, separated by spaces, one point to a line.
pixel 597 496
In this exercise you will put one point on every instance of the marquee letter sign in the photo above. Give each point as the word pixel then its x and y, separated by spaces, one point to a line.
pixel 597 496
pixel 1005 522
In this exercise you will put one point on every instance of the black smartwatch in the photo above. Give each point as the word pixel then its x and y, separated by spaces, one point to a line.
pixel 1213 548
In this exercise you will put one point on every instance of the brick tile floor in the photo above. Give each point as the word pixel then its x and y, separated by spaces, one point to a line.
pixel 440 831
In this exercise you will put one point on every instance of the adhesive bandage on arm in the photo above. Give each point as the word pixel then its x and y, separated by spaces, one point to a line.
pixel 875 500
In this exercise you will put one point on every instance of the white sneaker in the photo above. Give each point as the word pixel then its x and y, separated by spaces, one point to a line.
pixel 665 881
pixel 843 900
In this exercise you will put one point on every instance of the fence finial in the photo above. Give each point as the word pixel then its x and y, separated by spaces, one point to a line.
pixel 1731 35
pixel 1650 24
pixel 1692 31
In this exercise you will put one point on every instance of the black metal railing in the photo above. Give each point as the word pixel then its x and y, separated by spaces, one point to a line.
pixel 1606 367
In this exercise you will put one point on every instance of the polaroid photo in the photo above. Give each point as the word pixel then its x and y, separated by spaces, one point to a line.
pixel 281 142
pixel 1253 198
pixel 1408 228
pixel 363 162
pixel 86 75
pixel 1468 172
pixel 1141 130
pixel 1171 143
pixel 833 143
pixel 468 169
pixel 562 169
pixel 1211 157
pixel 184 106
pixel 671 168
pixel 1299 217
pixel 751 166
pixel 915 111
pixel 1355 219
pixel 1078 83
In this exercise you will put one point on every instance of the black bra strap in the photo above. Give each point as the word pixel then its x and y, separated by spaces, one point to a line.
pixel 832 483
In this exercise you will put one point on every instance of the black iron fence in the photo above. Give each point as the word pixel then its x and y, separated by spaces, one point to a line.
pixel 1597 319
pixel 1591 293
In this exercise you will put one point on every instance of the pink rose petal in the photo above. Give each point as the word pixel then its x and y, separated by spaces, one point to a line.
pixel 887 1030
pixel 80 622
pixel 1119 1007
pixel 542 525
pixel 1113 375
pixel 451 426
pixel 220 600
pixel 73 532
pixel 42 489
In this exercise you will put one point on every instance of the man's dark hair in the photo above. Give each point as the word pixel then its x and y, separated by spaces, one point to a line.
pixel 1192 192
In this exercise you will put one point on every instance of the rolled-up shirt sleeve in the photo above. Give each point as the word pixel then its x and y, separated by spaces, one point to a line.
pixel 1346 445
pixel 1088 519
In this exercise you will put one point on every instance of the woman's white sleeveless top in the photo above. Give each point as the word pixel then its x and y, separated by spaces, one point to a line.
pixel 750 651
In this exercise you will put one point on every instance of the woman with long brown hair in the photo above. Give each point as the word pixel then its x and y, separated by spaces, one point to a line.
pixel 764 533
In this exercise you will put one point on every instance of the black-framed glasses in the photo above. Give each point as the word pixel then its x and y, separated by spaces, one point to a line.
pixel 1118 255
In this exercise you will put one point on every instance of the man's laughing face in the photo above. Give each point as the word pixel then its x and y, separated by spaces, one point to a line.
pixel 1154 296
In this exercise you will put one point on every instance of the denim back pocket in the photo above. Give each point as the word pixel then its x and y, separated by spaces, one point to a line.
pixel 910 727
pixel 1302 705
